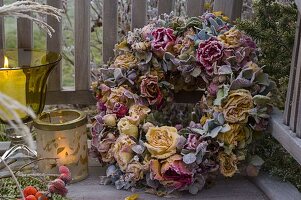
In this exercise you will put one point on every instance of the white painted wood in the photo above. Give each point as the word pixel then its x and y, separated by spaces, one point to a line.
pixel 109 28
pixel 55 44
pixel 165 6
pixel 231 8
pixel 82 44
pixel 285 135
pixel 195 7
pixel 138 13
pixel 298 3
pixel 296 93
pixel 290 91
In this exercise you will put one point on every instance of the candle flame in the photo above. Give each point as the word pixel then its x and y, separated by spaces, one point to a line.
pixel 5 62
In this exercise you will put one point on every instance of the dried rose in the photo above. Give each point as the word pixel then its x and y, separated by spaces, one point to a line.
pixel 105 147
pixel 228 164
pixel 172 173
pixel 161 141
pixel 123 152
pixel 149 89
pixel 233 136
pixel 138 113
pixel 135 171
pixel 209 52
pixel 126 61
pixel 231 38
pixel 237 106
pixel 120 110
pixel 163 41
pixel 125 127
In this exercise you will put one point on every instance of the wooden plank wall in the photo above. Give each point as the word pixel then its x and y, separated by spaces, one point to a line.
pixel 2 31
pixel 81 94
pixel 195 7
pixel 231 8
pixel 55 44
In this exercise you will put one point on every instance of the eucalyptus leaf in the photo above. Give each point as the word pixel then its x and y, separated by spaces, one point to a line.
pixel 189 158
pixel 196 72
pixel 198 131
pixel 214 132
pixel 138 149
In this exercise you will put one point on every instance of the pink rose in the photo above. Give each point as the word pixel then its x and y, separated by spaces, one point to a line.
pixel 120 110
pixel 149 89
pixel 171 173
pixel 209 52
pixel 163 41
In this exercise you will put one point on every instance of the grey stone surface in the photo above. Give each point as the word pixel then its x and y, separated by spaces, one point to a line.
pixel 236 188
pixel 275 189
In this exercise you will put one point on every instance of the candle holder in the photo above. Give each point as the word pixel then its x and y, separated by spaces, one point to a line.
pixel 62 134
pixel 23 77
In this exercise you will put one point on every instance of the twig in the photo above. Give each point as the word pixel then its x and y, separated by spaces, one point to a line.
pixel 8 163
pixel 34 161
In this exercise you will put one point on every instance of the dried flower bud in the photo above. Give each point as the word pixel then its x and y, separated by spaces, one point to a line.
pixel 146 126
pixel 109 120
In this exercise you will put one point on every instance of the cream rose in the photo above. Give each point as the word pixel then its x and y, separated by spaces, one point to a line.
pixel 138 113
pixel 161 141
pixel 123 152
pixel 125 127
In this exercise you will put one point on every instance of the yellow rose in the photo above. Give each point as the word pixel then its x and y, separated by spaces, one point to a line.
pixel 161 141
pixel 233 136
pixel 237 106
pixel 221 15
pixel 231 38
pixel 137 113
pixel 126 61
pixel 125 127
pixel 228 164
pixel 123 152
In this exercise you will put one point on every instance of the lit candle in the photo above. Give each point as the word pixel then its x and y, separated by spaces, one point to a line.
pixel 62 134
pixel 13 83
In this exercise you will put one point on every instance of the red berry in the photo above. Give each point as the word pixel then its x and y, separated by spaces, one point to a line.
pixel 58 187
pixel 29 190
pixel 40 196
pixel 31 197
pixel 64 170
pixel 66 178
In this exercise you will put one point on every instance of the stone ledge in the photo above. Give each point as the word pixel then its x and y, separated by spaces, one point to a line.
pixel 275 189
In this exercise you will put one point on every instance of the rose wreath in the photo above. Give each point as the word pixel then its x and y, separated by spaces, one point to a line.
pixel 171 54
